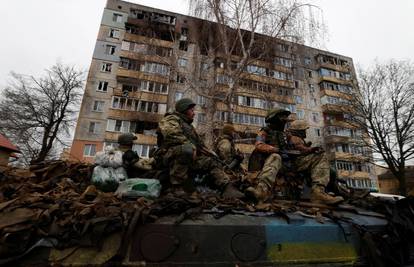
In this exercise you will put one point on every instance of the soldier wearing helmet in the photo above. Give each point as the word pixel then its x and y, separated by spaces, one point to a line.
pixel 182 151
pixel 133 164
pixel 313 160
pixel 270 142
pixel 226 149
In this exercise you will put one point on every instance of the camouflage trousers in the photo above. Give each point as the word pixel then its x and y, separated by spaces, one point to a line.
pixel 180 166
pixel 316 164
pixel 270 169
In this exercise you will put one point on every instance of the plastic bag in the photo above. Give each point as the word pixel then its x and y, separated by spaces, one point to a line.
pixel 139 187
pixel 110 157
pixel 107 179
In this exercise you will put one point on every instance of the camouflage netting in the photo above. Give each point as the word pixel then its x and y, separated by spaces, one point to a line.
pixel 54 205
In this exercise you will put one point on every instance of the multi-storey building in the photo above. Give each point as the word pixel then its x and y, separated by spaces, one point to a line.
pixel 144 59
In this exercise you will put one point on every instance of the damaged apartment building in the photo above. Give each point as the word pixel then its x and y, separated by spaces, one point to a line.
pixel 144 59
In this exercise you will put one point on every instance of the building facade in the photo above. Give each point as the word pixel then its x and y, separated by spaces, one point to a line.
pixel 146 59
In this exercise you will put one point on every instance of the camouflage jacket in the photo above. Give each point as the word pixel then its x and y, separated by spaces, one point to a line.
pixel 298 143
pixel 225 148
pixel 270 141
pixel 176 129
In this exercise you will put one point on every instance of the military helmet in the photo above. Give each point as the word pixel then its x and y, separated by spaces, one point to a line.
pixel 184 104
pixel 228 129
pixel 274 113
pixel 299 125
pixel 126 139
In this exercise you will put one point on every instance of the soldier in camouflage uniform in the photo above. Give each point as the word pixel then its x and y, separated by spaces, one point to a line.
pixel 226 150
pixel 311 159
pixel 270 142
pixel 133 164
pixel 181 150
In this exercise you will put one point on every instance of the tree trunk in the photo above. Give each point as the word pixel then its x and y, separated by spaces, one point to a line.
pixel 402 183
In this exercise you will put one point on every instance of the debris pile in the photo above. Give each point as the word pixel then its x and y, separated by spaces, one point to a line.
pixel 54 205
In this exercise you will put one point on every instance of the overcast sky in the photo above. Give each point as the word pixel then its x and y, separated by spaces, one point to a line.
pixel 37 33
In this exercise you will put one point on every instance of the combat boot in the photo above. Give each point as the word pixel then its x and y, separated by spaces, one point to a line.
pixel 232 192
pixel 261 192
pixel 318 195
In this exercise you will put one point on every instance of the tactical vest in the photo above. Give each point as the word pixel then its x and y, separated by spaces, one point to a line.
pixel 188 131
pixel 275 138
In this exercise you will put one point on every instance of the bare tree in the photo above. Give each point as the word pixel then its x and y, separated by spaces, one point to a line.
pixel 385 107
pixel 246 31
pixel 37 113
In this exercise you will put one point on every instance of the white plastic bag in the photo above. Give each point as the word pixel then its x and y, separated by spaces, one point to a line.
pixel 110 157
pixel 107 179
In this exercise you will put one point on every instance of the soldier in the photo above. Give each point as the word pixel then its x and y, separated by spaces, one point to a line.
pixel 311 159
pixel 270 142
pixel 226 150
pixel 181 150
pixel 133 164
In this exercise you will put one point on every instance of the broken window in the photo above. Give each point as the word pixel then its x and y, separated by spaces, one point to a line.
pixel 94 127
pixel 311 88
pixel 142 150
pixel 180 79
pixel 110 49
pixel 106 67
pixel 183 45
pixel 119 126
pixel 117 17
pixel 102 86
pixel 315 117
pixel 248 119
pixel 182 62
pixel 114 33
pixel 283 62
pixel 283 47
pixel 98 105
pixel 89 150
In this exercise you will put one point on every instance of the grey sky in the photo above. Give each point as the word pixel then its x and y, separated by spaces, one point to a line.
pixel 37 33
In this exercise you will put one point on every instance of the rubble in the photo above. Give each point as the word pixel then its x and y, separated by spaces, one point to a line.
pixel 54 205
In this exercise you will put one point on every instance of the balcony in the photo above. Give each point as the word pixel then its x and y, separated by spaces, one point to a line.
pixel 144 57
pixel 353 174
pixel 142 95
pixel 134 115
pixel 147 40
pixel 337 109
pixel 141 138
pixel 141 75
pixel 347 156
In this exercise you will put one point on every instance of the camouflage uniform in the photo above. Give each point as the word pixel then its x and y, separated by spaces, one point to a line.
pixel 265 157
pixel 133 164
pixel 226 149
pixel 270 141
pixel 179 141
pixel 316 163
pixel 311 159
